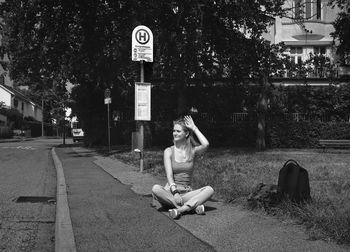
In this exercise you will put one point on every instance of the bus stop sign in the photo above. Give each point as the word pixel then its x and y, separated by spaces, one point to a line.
pixel 142 44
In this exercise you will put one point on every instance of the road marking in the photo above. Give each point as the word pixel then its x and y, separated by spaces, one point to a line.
pixel 19 147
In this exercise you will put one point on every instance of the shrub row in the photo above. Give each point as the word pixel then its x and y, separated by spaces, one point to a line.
pixel 279 133
pixel 304 134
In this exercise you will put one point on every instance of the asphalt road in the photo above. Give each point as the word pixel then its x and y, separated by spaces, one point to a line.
pixel 26 169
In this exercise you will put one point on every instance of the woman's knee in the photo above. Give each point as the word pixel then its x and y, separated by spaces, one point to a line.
pixel 209 190
pixel 156 189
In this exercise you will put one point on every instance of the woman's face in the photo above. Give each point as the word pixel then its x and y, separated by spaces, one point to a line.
pixel 179 133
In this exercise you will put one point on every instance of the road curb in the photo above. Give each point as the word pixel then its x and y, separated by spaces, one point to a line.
pixel 64 236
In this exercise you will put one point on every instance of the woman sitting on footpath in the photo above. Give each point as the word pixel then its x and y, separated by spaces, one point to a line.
pixel 177 194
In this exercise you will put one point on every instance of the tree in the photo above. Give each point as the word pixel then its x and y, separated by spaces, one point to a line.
pixel 196 40
pixel 88 44
pixel 35 39
pixel 342 29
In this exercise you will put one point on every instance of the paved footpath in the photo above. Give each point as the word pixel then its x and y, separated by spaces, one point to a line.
pixel 109 205
pixel 107 216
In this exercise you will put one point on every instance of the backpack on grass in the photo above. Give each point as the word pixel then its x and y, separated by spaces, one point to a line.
pixel 293 182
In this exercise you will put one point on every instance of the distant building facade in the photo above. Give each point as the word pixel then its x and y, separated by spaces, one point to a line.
pixel 307 29
pixel 12 98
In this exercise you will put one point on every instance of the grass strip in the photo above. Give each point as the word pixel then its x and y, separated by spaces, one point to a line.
pixel 233 173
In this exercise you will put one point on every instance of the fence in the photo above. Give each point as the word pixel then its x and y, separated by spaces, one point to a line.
pixel 237 117
pixel 242 116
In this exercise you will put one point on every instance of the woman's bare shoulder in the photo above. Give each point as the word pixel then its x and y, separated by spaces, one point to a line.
pixel 167 151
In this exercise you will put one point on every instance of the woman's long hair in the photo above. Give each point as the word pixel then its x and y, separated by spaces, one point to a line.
pixel 190 141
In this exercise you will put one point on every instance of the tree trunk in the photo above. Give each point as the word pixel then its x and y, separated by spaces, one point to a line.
pixel 261 113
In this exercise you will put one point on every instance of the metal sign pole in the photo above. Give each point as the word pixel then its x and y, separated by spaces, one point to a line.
pixel 109 129
pixel 108 100
pixel 42 116
pixel 142 50
pixel 141 122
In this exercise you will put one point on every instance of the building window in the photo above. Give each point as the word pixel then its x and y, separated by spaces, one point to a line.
pixel 15 103
pixel 318 9
pixel 296 54
pixel 298 9
pixel 308 10
pixel 320 50
pixel 22 106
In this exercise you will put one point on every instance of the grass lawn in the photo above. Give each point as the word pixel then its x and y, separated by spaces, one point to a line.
pixel 234 172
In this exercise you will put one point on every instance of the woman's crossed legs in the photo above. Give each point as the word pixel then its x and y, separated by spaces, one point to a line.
pixel 191 199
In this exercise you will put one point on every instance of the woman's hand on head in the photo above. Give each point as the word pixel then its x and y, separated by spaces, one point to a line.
pixel 189 122
pixel 178 199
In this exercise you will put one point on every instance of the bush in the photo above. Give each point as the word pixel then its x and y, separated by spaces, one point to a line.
pixel 292 134
pixel 121 132
pixel 35 128
pixel 280 133
pixel 5 133
pixel 304 134
pixel 13 116
pixel 161 133
pixel 241 134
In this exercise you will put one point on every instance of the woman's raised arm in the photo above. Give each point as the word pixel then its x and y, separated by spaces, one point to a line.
pixel 204 143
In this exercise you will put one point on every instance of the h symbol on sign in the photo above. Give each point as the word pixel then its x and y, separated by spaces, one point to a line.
pixel 142 36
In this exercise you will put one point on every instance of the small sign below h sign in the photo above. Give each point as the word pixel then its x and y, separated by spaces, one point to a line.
pixel 108 100
pixel 107 94
pixel 142 44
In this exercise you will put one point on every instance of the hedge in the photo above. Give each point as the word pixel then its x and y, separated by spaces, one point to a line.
pixel 304 134
pixel 279 133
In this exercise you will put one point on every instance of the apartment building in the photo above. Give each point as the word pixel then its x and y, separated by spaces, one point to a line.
pixel 306 29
